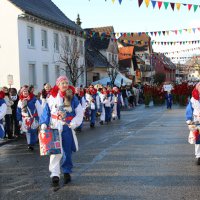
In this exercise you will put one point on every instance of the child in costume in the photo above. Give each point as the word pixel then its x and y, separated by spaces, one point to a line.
pixel 118 102
pixel 28 111
pixel 64 113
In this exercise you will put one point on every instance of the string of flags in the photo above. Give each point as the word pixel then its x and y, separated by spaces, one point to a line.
pixel 114 35
pixel 165 4
pixel 185 50
pixel 174 42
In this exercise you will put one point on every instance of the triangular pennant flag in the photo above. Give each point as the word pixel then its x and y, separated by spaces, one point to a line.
pixel 159 4
pixel 180 31
pixel 198 29
pixel 161 43
pixel 163 33
pixel 120 1
pixel 167 32
pixel 147 3
pixel 180 43
pixel 166 4
pixel 195 7
pixel 172 5
pixel 139 33
pixel 171 43
pixel 153 3
pixel 159 32
pixel 194 29
pixel 155 33
pixel 151 33
pixel 178 6
pixel 189 6
pixel 140 2
pixel 189 30
pixel 176 32
pixel 113 1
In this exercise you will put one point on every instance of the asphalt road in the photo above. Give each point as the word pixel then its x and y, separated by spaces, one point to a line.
pixel 143 156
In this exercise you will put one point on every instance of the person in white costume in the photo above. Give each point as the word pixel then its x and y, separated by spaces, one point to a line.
pixel 65 120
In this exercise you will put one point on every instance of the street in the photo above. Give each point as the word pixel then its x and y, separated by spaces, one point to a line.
pixel 145 155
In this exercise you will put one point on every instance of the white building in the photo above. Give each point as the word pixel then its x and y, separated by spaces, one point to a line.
pixel 32 38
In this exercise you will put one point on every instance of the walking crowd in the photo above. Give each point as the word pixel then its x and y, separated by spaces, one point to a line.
pixel 62 108
pixel 98 102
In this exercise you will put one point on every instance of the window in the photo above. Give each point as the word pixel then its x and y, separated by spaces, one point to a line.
pixel 45 73
pixel 81 47
pixel 56 42
pixel 30 36
pixel 113 58
pixel 67 43
pixel 75 45
pixel 57 71
pixel 32 75
pixel 116 58
pixel 109 57
pixel 44 39
pixel 96 77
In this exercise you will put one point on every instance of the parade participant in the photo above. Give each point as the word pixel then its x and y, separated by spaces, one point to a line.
pixel 64 113
pixel 28 110
pixel 193 115
pixel 110 107
pixel 8 117
pixel 45 94
pixel 107 101
pixel 118 102
pixel 102 96
pixel 14 122
pixel 87 104
pixel 169 99
pixel 93 100
pixel 3 109
pixel 81 97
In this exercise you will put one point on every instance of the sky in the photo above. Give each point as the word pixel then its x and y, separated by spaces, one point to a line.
pixel 128 17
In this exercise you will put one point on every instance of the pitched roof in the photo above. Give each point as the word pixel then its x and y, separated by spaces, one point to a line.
pixel 126 52
pixel 98 43
pixel 93 56
pixel 193 61
pixel 105 29
pixel 165 60
pixel 96 40
pixel 47 10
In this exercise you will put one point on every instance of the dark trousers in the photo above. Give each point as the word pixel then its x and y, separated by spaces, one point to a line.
pixel 15 125
pixel 8 131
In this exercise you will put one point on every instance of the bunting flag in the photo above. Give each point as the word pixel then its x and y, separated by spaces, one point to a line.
pixel 166 4
pixel 87 34
pixel 180 51
pixel 175 42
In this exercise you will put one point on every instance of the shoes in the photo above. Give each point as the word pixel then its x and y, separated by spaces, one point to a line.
pixel 92 125
pixel 55 181
pixel 198 161
pixel 67 178
pixel 11 137
pixel 31 148
pixel 78 130
pixel 101 122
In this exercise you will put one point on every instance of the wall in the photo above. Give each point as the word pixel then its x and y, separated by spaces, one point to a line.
pixel 9 49
pixel 40 56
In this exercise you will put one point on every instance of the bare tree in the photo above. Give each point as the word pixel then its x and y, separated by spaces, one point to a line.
pixel 112 71
pixel 70 59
